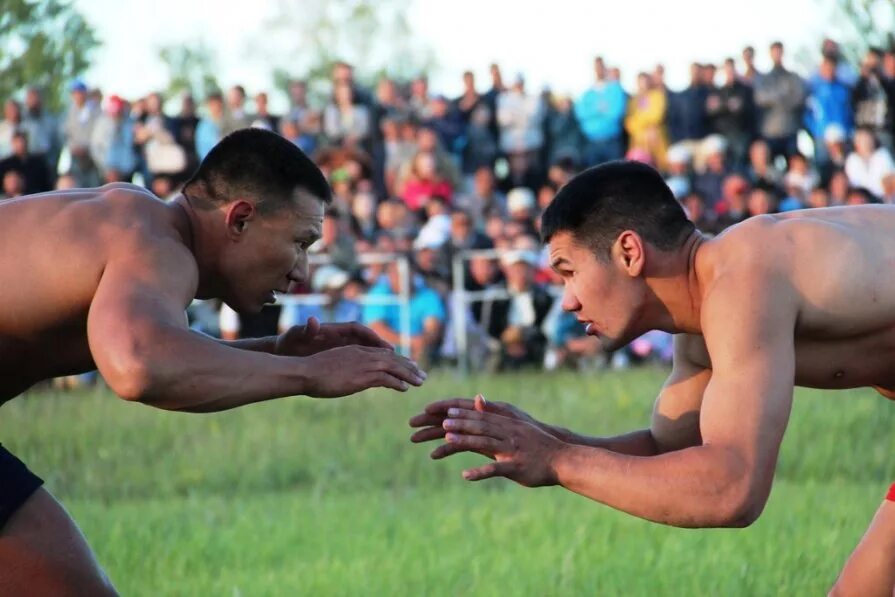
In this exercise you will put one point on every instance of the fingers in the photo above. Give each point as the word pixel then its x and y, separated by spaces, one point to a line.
pixel 494 469
pixel 445 450
pixel 428 434
pixel 480 404
pixel 383 379
pixel 472 427
pixel 426 420
pixel 401 368
pixel 367 337
pixel 441 407
pixel 474 443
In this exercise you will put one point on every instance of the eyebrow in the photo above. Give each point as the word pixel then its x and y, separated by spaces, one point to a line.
pixel 560 261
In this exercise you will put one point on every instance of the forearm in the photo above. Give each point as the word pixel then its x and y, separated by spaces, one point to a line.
pixel 186 371
pixel 266 344
pixel 635 443
pixel 695 487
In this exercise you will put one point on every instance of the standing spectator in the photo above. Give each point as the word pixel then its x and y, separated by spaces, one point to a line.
pixel 77 132
pixel 33 168
pixel 869 163
pixel 871 98
pixel 829 104
pixel 237 116
pixel 12 120
pixel 263 118
pixel 480 150
pixel 210 128
pixel 686 112
pixel 470 99
pixel 154 135
pixel 731 112
pixel 343 73
pixel 42 128
pixel 345 122
pixel 447 123
pixel 645 121
pixel 600 112
pixel 490 96
pixel 112 143
pixel 564 137
pixel 184 125
pixel 781 96
pixel 420 102
pixel 520 116
pixel 750 74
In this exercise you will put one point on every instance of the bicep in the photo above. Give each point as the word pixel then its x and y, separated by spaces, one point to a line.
pixel 675 420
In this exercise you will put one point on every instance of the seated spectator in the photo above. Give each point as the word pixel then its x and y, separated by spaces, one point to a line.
pixel 447 123
pixel 522 209
pixel 819 197
pixel 335 241
pixel 464 236
pixel 424 182
pixel 708 182
pixel 859 196
pixel 702 218
pixel 427 313
pixel 363 217
pixel 340 300
pixel 869 163
pixel 760 203
pixel 522 315
pixel 732 208
pixel 13 185
pixel 33 168
pixel 761 172
pixel 838 187
pixel 836 151
pixel 680 176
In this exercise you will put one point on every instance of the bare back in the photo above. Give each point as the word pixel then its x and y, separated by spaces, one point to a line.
pixel 840 266
pixel 56 246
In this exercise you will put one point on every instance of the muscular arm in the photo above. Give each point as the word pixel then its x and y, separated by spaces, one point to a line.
pixel 726 479
pixel 143 348
pixel 675 420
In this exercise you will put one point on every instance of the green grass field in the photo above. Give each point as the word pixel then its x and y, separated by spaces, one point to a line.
pixel 329 497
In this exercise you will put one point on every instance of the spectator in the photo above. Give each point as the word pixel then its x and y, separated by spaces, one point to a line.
pixel 12 120
pixel 424 182
pixel 686 112
pixel 464 235
pixel 564 136
pixel 697 212
pixel 210 128
pixel 732 208
pixel 829 104
pixel 484 199
pixel 32 168
pixel 838 187
pixel 835 150
pixel 112 142
pixel 708 182
pixel 871 98
pixel 237 116
pixel 335 241
pixel 750 74
pixel 760 203
pixel 420 103
pixel 521 316
pixel 480 149
pixel 761 172
pixel 263 118
pixel 680 175
pixel 13 184
pixel 645 121
pixel 600 112
pixel 42 128
pixel 520 116
pixel 731 112
pixel 77 132
pixel 184 126
pixel 470 99
pixel 818 198
pixel 869 163
pixel 345 122
pixel 781 96
pixel 363 217
pixel 522 208
pixel 339 300
pixel 447 123
pixel 343 73
pixel 427 313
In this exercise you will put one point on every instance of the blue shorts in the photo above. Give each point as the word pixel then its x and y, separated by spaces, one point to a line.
pixel 17 484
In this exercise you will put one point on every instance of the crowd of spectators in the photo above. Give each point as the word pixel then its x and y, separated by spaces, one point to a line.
pixel 425 176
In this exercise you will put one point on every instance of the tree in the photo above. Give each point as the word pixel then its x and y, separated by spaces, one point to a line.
pixel 305 39
pixel 864 24
pixel 43 43
pixel 191 68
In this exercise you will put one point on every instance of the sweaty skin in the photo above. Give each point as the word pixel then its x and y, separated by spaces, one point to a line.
pixel 805 298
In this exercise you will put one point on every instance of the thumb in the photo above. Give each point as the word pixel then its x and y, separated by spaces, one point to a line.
pixel 312 327
pixel 480 404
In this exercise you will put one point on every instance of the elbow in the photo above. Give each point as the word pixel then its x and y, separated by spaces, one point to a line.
pixel 740 507
pixel 131 379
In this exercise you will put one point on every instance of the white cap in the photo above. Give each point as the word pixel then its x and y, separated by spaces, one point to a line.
pixel 520 199
pixel 713 144
pixel 329 277
pixel 834 133
pixel 678 154
pixel 511 257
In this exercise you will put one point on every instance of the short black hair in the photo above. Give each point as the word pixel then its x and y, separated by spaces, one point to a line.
pixel 603 201
pixel 259 164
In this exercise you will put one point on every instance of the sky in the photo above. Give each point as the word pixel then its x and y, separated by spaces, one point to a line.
pixel 553 42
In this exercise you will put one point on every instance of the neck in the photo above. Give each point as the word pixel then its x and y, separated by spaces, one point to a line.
pixel 676 289
pixel 187 220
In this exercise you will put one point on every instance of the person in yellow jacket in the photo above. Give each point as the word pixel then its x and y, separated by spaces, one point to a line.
pixel 645 120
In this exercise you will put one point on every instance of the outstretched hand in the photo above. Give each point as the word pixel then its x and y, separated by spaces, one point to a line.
pixel 351 369
pixel 522 448
pixel 314 337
